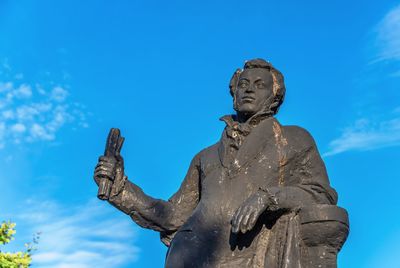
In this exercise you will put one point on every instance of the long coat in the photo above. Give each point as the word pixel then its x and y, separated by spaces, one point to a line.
pixel 196 221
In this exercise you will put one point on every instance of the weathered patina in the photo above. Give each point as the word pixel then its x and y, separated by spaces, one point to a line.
pixel 259 197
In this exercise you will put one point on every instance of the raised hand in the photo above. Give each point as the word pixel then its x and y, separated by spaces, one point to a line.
pixel 110 165
pixel 105 168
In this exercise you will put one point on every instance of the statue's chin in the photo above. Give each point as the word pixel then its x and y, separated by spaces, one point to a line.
pixel 248 109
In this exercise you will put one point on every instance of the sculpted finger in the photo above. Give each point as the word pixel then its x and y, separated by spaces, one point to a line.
pixel 105 165
pixel 107 159
pixel 235 228
pixel 235 222
pixel 244 219
pixel 240 219
pixel 252 221
pixel 102 174
pixel 103 168
pixel 234 225
pixel 99 173
pixel 104 158
pixel 235 215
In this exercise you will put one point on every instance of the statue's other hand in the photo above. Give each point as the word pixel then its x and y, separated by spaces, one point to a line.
pixel 105 168
pixel 246 216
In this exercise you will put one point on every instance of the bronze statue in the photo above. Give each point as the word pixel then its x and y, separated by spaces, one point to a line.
pixel 259 197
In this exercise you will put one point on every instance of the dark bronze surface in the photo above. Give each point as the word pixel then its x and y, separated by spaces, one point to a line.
pixel 259 197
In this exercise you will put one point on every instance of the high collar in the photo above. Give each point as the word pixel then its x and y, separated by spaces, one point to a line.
pixel 232 120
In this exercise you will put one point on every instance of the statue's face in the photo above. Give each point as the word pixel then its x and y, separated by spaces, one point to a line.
pixel 253 88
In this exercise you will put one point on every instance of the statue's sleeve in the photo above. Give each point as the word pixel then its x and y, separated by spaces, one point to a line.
pixel 157 214
pixel 304 178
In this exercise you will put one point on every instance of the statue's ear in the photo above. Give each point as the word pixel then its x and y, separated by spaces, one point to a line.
pixel 234 80
pixel 235 106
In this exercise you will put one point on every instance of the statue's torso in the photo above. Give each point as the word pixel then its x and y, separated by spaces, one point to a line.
pixel 271 157
pixel 223 190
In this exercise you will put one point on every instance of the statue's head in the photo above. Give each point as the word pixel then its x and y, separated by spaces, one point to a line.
pixel 257 87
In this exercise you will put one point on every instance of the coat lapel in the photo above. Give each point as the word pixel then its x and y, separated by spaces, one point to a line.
pixel 223 151
pixel 253 144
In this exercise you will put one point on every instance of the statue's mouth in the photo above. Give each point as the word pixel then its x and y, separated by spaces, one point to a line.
pixel 248 99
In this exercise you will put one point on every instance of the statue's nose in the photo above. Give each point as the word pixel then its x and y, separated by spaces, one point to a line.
pixel 250 88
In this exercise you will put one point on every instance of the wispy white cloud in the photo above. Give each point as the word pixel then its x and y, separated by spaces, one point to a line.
pixel 388 36
pixel 32 112
pixel 80 237
pixel 367 134
pixel 18 128
pixel 59 94
pixel 382 130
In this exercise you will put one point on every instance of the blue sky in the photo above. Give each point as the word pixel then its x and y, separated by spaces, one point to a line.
pixel 159 70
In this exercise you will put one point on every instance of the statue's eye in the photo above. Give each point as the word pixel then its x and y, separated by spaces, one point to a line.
pixel 260 85
pixel 243 84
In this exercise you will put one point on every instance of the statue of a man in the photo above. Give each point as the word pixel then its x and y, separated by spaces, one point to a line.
pixel 259 197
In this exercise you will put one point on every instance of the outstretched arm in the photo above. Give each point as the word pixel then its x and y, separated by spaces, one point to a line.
pixel 146 211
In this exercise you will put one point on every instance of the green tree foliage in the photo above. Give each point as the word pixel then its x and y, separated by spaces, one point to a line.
pixel 20 259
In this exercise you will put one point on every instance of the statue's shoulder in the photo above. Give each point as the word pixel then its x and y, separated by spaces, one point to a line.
pixel 209 155
pixel 209 151
pixel 298 136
